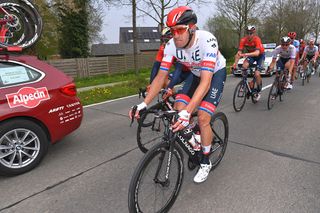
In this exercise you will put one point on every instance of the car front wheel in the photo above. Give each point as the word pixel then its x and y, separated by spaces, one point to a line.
pixel 23 144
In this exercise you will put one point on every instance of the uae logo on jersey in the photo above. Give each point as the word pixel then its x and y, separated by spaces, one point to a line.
pixel 28 97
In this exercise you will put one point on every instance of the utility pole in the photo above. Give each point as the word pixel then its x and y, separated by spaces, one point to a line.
pixel 134 29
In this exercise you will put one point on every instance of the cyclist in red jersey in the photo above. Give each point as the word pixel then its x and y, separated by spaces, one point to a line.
pixel 296 44
pixel 254 53
pixel 165 37
pixel 301 47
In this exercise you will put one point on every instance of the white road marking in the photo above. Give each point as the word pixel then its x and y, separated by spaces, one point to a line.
pixel 266 87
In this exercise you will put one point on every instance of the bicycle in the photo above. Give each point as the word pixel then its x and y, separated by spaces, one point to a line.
pixel 318 66
pixel 20 25
pixel 278 87
pixel 244 90
pixel 306 73
pixel 161 169
pixel 150 127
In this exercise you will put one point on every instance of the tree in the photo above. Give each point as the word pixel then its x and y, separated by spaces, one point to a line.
pixel 286 16
pixel 74 29
pixel 240 13
pixel 95 11
pixel 156 9
pixel 221 27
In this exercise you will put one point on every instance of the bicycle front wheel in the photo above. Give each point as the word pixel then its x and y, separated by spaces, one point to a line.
pixel 150 190
pixel 220 127
pixel 239 96
pixel 26 27
pixel 273 94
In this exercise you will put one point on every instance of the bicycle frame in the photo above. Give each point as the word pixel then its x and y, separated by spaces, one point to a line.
pixel 245 79
pixel 173 137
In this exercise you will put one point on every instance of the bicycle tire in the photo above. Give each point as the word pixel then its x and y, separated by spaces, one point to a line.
pixel 255 86
pixel 29 17
pixel 241 95
pixel 274 91
pixel 220 140
pixel 136 200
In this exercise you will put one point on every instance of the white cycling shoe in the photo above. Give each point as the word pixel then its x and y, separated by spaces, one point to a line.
pixel 202 173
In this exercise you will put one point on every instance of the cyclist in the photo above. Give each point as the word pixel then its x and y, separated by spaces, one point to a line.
pixel 310 53
pixel 203 87
pixel 165 37
pixel 296 44
pixel 287 55
pixel 255 53
pixel 176 76
pixel 301 47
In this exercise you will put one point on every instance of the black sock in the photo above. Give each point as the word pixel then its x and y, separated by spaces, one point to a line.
pixel 205 159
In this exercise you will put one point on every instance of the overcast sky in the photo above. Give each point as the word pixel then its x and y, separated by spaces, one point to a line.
pixel 115 18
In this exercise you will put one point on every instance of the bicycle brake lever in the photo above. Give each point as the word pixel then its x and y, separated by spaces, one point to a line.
pixel 133 112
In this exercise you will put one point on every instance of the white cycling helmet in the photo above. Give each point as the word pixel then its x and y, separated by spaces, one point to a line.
pixel 285 40
pixel 251 28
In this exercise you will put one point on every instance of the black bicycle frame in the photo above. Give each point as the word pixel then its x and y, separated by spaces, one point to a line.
pixel 171 137
pixel 245 79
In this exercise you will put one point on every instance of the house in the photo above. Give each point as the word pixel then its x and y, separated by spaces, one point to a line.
pixel 148 42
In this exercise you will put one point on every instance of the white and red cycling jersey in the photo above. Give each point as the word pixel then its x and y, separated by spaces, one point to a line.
pixel 203 55
pixel 288 53
pixel 310 51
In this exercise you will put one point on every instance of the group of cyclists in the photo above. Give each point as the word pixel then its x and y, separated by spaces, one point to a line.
pixel 201 66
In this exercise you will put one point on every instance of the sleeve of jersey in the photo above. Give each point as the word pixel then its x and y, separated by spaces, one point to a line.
pixel 210 55
pixel 166 60
pixel 160 53
pixel 241 45
pixel 275 52
pixel 293 53
pixel 259 45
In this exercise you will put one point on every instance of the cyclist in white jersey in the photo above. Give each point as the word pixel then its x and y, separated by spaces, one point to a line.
pixel 198 50
pixel 287 55
pixel 310 53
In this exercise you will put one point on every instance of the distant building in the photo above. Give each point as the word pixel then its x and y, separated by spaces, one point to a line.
pixel 144 34
pixel 148 41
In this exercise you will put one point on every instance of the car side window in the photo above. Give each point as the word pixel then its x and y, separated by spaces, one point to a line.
pixel 15 74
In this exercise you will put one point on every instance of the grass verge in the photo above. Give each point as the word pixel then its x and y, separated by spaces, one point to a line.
pixel 108 93
pixel 112 78
pixel 121 90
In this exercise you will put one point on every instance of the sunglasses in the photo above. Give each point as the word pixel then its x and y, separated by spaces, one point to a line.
pixel 285 45
pixel 179 30
pixel 250 33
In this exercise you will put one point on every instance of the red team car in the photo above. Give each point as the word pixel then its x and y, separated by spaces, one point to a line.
pixel 38 106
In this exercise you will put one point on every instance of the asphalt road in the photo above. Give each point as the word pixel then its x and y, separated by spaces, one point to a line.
pixel 272 162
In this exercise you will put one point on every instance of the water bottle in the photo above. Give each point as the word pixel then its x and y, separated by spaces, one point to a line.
pixel 195 141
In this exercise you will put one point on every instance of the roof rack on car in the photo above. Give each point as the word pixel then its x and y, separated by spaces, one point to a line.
pixel 4 50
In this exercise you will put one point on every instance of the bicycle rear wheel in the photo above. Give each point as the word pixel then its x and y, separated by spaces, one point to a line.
pixel 150 130
pixel 148 190
pixel 239 96
pixel 27 26
pixel 273 94
pixel 220 127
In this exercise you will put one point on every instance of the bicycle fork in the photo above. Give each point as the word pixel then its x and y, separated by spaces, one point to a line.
pixel 165 182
